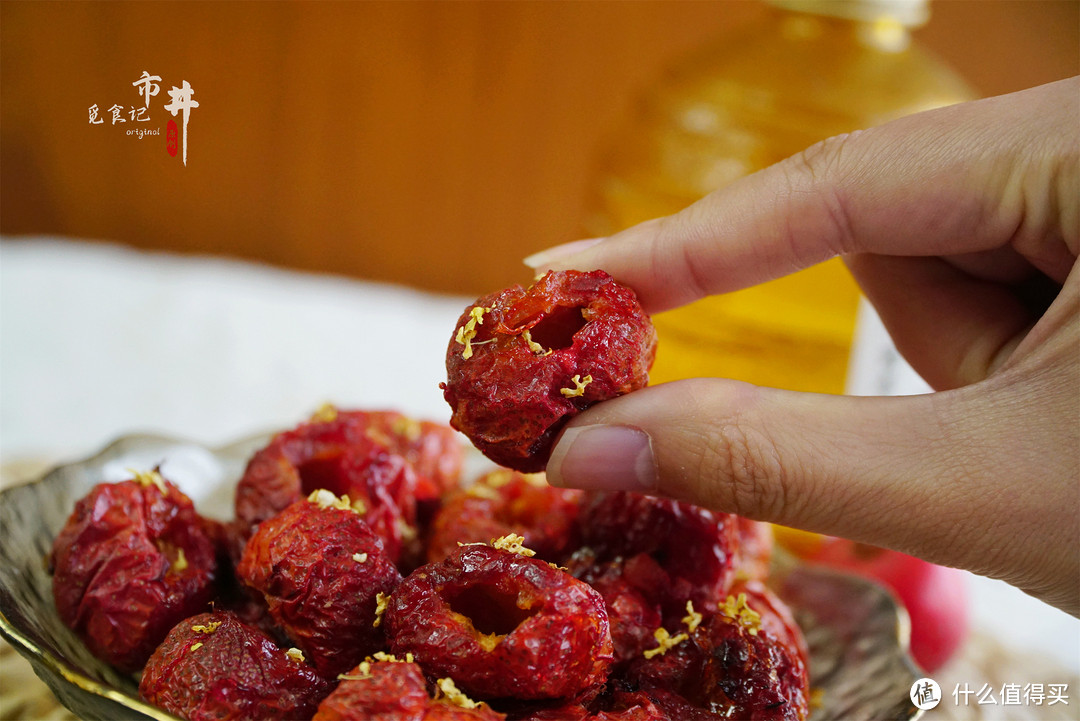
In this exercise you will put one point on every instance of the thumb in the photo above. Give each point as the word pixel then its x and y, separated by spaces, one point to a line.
pixel 917 474
pixel 811 461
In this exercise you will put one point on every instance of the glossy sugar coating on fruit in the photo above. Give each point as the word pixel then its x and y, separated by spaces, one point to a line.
pixel 133 559
pixel 322 571
pixel 501 624
pixel 214 667
pixel 523 361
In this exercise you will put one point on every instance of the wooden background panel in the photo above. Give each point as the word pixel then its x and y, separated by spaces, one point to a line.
pixel 428 143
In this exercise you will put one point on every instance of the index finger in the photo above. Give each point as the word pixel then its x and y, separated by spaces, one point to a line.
pixel 956 180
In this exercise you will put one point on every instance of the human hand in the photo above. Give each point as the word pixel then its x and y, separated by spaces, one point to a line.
pixel 961 226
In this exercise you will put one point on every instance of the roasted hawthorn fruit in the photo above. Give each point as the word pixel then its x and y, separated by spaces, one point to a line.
pixel 674 707
pixel 694 547
pixel 563 711
pixel 555 711
pixel 323 572
pixel 390 689
pixel 377 691
pixel 776 617
pixel 133 559
pixel 501 624
pixel 214 667
pixel 757 674
pixel 740 661
pixel 504 502
pixel 433 449
pixel 523 361
pixel 632 590
pixel 345 453
pixel 631 706
pixel 439 711
pixel 618 704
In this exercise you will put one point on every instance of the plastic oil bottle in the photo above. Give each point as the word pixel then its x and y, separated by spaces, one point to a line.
pixel 805 71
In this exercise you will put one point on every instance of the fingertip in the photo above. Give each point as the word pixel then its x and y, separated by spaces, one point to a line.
pixel 603 458
pixel 562 254
pixel 553 472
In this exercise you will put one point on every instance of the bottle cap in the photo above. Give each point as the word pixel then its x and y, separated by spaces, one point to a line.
pixel 909 13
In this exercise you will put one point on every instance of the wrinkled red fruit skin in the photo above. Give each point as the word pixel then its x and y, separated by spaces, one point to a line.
pixel 238 673
pixel 387 692
pixel 694 546
pixel 631 706
pixel 621 705
pixel 776 617
pixel 434 449
pixel 393 691
pixel 568 711
pixel 343 457
pixel 503 502
pixel 723 668
pixel 302 561
pixel 631 591
pixel 757 674
pixel 117 580
pixel 506 398
pixel 677 708
pixel 555 640
pixel 441 711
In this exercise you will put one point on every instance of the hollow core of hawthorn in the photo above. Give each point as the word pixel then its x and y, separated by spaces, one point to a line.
pixel 501 625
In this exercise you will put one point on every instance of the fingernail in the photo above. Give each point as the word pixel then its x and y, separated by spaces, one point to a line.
pixel 545 257
pixel 603 458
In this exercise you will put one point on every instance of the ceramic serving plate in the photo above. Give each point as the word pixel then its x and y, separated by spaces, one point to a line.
pixel 859 663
